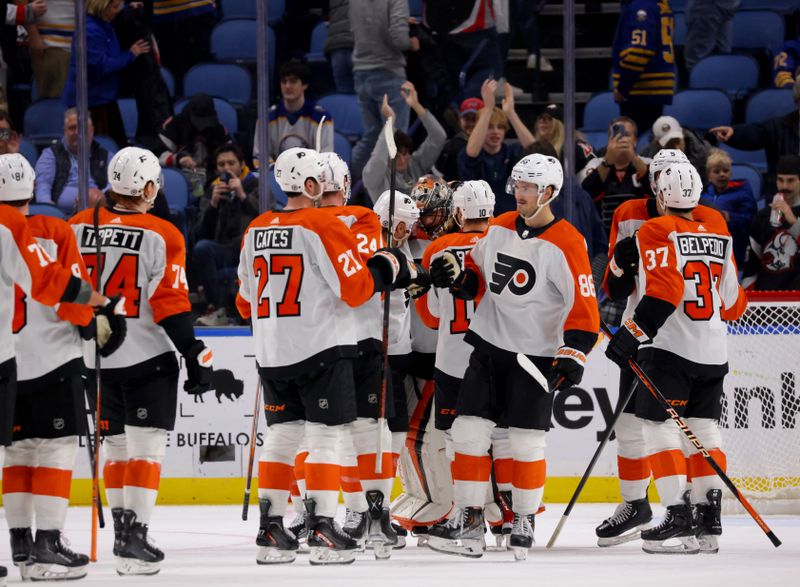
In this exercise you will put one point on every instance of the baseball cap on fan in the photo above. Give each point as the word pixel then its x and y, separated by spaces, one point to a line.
pixel 553 111
pixel 666 128
pixel 470 106
pixel 202 113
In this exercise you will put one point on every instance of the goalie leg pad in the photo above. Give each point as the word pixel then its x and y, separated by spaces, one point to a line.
pixel 667 460
pixel 527 447
pixel 146 449
pixel 116 449
pixel 52 479
pixel 276 468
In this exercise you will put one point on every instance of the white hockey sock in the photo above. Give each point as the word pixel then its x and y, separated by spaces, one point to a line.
pixel 146 448
pixel 116 460
pixel 52 479
pixel 323 467
pixel 20 459
pixel 352 491
pixel 472 465
pixel 276 469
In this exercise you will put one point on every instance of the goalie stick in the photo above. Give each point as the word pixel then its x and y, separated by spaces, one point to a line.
pixel 251 460
pixel 388 136
pixel 651 387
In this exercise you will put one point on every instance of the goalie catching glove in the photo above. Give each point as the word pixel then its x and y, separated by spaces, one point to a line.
pixel 199 360
pixel 110 325
pixel 627 340
pixel 567 369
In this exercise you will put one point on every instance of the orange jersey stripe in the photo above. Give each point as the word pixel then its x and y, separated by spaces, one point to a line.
pixel 145 474
pixel 52 482
pixel 530 475
pixel 17 479
pixel 272 475
pixel 470 468
pixel 699 467
pixel 668 462
pixel 633 469
pixel 299 465
pixel 322 477
pixel 366 466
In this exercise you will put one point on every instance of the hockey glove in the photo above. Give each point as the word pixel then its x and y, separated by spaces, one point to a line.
pixel 199 359
pixel 445 270
pixel 627 340
pixel 392 268
pixel 567 368
pixel 420 282
pixel 626 258
pixel 111 326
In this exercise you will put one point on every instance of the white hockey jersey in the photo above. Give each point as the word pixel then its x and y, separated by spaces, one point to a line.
pixel 45 337
pixel 22 261
pixel 538 293
pixel 144 259
pixel 300 274
pixel 423 339
pixel 449 315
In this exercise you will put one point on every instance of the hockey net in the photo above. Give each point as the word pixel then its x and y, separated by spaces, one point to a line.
pixel 761 408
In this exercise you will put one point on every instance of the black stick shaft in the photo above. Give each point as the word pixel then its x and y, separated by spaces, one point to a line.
pixel 251 460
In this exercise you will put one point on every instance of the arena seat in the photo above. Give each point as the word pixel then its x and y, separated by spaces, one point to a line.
pixel 757 30
pixel 44 121
pixel 679 30
pixel 235 40
pixel 107 143
pixel 29 151
pixel 701 109
pixel 596 138
pixel 319 35
pixel 599 111
pixel 755 159
pixel 169 79
pixel 739 171
pixel 225 113
pixel 247 9
pixel 221 80
pixel 342 147
pixel 736 74
pixel 130 115
pixel 769 103
pixel 47 210
pixel 346 113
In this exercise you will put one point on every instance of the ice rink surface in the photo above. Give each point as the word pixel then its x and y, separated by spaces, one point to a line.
pixel 210 545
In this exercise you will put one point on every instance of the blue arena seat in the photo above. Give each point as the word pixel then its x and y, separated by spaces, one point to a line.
pixel 784 6
pixel 225 113
pixel 755 159
pixel 235 40
pixel 415 8
pixel 736 74
pixel 221 80
pixel 599 111
pixel 239 8
pixel 29 151
pixel 277 193
pixel 345 112
pixel 47 210
pixel 319 35
pixel 750 174
pixel 757 30
pixel 169 79
pixel 769 103
pixel 596 138
pixel 176 189
pixel 130 115
pixel 342 147
pixel 44 121
pixel 107 143
pixel 701 109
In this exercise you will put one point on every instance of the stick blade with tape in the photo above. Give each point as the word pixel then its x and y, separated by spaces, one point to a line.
pixel 388 136
pixel 533 371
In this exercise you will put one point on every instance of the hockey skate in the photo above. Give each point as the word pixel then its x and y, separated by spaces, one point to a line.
pixel 401 535
pixel 521 539
pixel 21 550
pixel 137 554
pixel 3 575
pixel 707 522
pixel 116 515
pixel 422 534
pixel 355 526
pixel 625 524
pixel 52 559
pixel 676 525
pixel 381 537
pixel 463 534
pixel 299 527
pixel 275 545
pixel 328 543
pixel 502 530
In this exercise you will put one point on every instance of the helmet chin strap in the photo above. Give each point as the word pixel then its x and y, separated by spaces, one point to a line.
pixel 539 207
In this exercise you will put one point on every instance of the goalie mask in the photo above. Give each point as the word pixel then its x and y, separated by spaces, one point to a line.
pixel 294 166
pixel 335 175
pixel 663 159
pixel 434 199
pixel 405 210
pixel 541 171
pixel 679 186
pixel 475 199
pixel 131 169
pixel 16 178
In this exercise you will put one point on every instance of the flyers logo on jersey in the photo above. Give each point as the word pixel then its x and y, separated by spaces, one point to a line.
pixel 517 274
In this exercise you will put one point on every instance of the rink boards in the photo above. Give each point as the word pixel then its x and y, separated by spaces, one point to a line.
pixel 207 454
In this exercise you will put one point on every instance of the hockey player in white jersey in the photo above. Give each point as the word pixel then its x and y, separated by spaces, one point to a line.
pixel 144 259
pixel 687 287
pixel 538 299
pixel 301 273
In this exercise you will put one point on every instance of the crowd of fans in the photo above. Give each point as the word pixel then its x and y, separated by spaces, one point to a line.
pixel 406 70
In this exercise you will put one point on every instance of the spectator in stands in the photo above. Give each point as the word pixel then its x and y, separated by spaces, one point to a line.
pixel 190 139
pixel 669 134
pixel 427 70
pixel 786 64
pixel 9 139
pixel 339 46
pixel 709 28
pixel 380 39
pixel 643 63
pixel 732 197
pixel 486 155
pixel 620 175
pixel 294 120
pixel 410 166
pixel 57 169
pixel 776 136
pixel 183 30
pixel 549 127
pixel 14 15
pixel 229 205
pixel 773 259
pixel 447 165
pixel 105 63
pixel 49 41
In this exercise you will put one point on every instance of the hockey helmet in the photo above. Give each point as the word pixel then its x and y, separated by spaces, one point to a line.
pixel 131 169
pixel 540 170
pixel 663 159
pixel 294 166
pixel 16 178
pixel 679 186
pixel 475 199
pixel 434 199
pixel 405 210
pixel 335 174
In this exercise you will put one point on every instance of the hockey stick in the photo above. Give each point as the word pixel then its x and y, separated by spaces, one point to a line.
pixel 91 450
pixel 251 460
pixel 533 371
pixel 97 371
pixel 648 383
pixel 573 500
pixel 318 138
pixel 388 136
